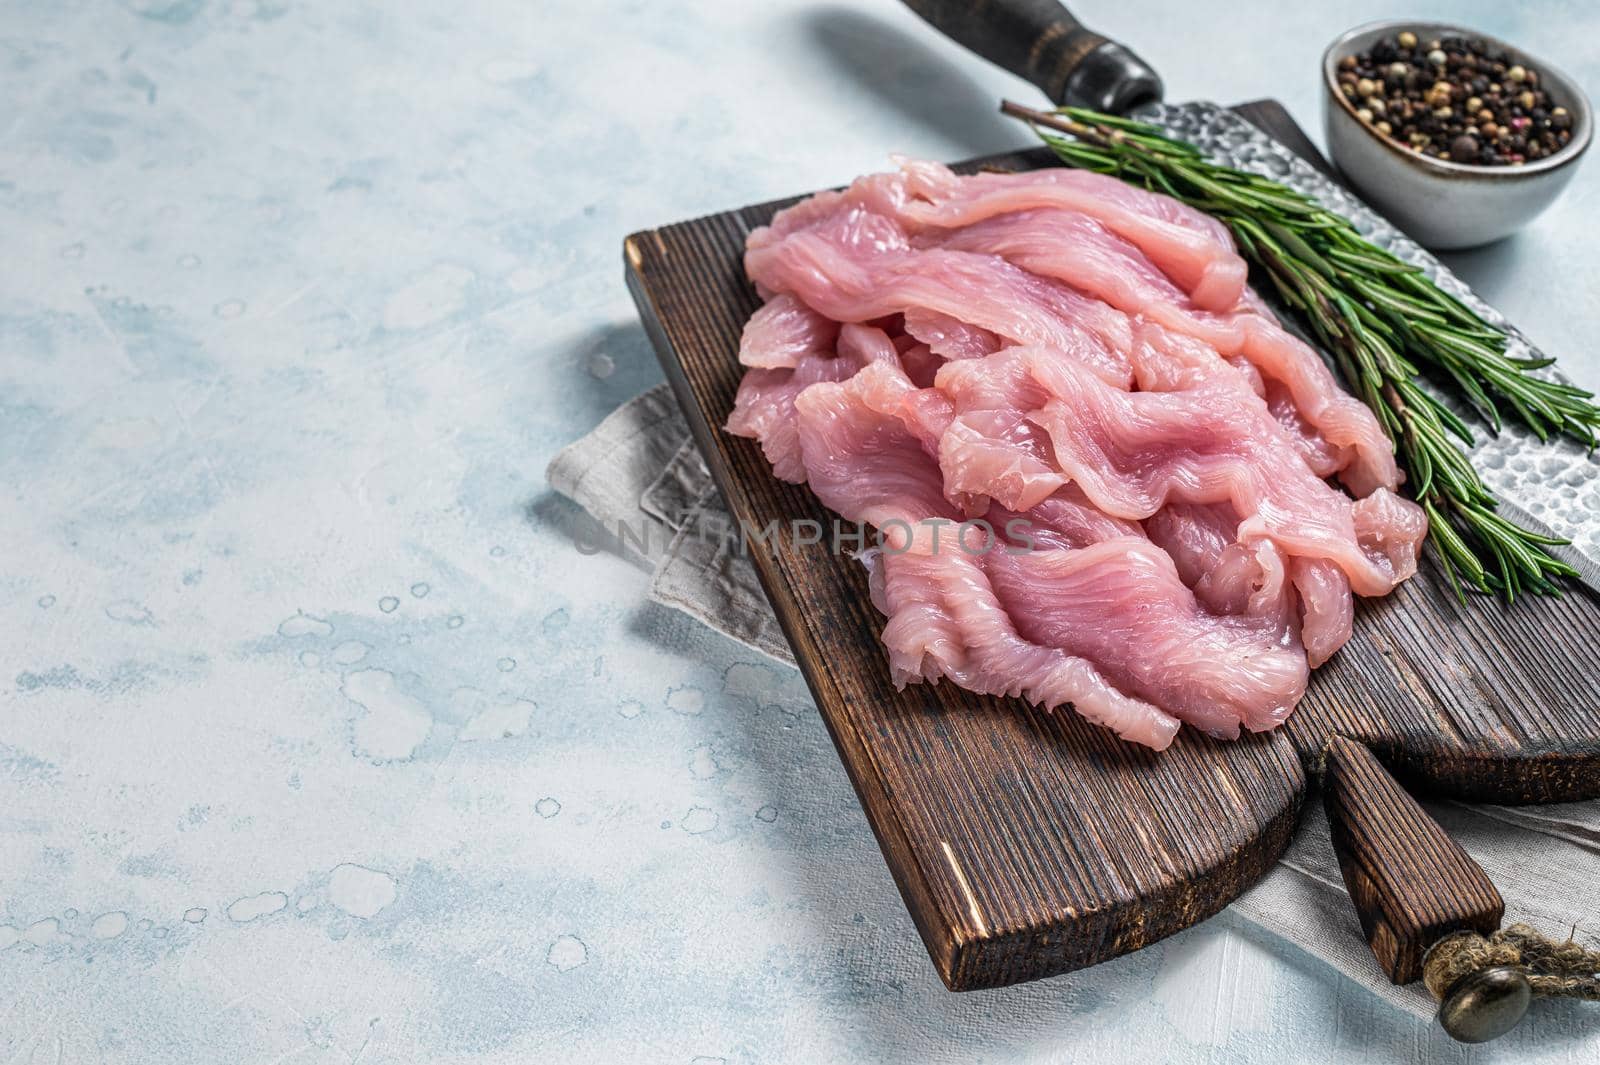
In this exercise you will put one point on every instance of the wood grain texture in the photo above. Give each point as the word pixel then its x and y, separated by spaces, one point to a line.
pixel 1027 843
pixel 1410 883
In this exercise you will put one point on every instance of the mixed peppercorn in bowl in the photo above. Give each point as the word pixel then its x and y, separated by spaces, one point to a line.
pixel 1459 138
pixel 1457 98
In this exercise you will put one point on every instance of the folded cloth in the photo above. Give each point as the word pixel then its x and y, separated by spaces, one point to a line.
pixel 640 472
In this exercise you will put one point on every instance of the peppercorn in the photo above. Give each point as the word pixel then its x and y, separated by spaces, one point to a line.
pixel 1407 39
pixel 1464 149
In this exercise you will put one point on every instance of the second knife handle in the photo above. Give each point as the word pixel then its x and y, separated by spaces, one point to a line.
pixel 1410 882
pixel 1041 41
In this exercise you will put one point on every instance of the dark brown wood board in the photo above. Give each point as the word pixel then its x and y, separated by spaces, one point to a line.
pixel 1028 843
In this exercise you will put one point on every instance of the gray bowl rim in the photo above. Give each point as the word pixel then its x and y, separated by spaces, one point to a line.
pixel 1579 104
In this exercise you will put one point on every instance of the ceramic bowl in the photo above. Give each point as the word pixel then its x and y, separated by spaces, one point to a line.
pixel 1443 204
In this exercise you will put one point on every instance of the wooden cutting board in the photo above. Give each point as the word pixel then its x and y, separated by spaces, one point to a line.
pixel 1029 843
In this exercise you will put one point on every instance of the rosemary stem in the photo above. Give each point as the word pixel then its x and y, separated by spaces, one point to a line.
pixel 1051 120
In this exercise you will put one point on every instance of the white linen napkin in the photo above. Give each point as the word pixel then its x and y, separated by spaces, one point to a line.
pixel 641 470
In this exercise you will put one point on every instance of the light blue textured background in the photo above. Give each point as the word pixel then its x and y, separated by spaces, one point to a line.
pixel 319 742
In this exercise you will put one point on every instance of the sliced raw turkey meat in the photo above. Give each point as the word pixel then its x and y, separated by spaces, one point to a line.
pixel 1098 467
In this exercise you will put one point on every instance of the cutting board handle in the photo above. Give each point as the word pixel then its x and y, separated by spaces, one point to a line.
pixel 1413 886
pixel 1041 41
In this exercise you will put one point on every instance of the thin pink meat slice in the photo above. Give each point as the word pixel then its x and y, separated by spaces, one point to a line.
pixel 921 364
pixel 1326 458
pixel 1340 417
pixel 1189 246
pixel 1001 455
pixel 783 331
pixel 857 218
pixel 1387 525
pixel 1121 605
pixel 991 447
pixel 1191 249
pixel 945 622
pixel 1064 520
pixel 763 408
pixel 1194 535
pixel 864 463
pixel 1073 247
pixel 890 388
pixel 1251 579
pixel 1134 452
pixel 1228 576
pixel 1327 609
pixel 947 337
pixel 1311 595
pixel 1079 251
pixel 827 269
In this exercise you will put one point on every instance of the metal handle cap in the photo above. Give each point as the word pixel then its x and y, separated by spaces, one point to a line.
pixel 1485 1005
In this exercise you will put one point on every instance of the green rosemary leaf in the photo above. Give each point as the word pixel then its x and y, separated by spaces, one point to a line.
pixel 1531 363
pixel 1360 260
pixel 1385 298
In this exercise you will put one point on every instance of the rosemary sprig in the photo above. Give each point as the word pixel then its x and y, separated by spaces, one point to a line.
pixel 1380 318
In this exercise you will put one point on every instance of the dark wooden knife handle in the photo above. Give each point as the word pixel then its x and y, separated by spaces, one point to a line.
pixel 1410 882
pixel 1040 40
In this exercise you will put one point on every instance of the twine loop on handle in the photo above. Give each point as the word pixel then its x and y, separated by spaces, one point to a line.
pixel 1553 969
